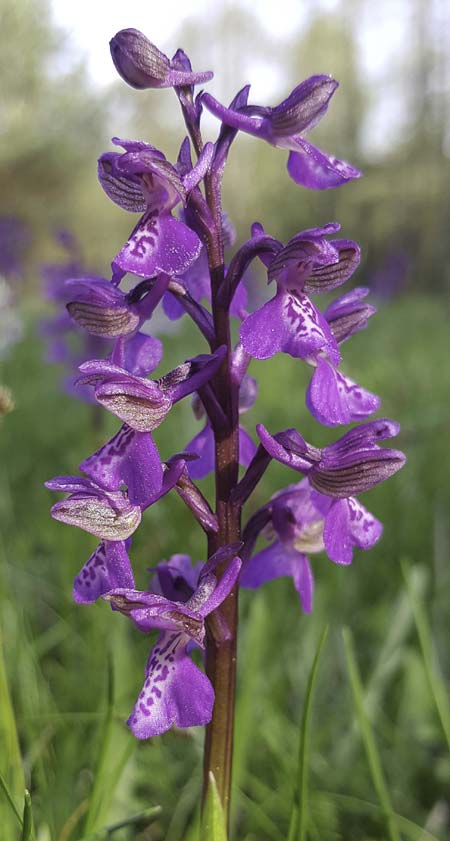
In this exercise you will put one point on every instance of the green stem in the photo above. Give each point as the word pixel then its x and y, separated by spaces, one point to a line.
pixel 221 653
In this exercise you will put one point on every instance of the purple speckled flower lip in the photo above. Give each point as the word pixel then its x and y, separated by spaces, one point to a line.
pixel 176 260
pixel 175 690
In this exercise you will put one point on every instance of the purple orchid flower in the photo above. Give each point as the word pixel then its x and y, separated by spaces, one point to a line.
pixel 175 691
pixel 202 444
pixel 284 125
pixel 352 464
pixel 290 322
pixel 303 522
pixel 142 180
pixel 112 514
pixel 143 404
pixel 102 309
pixel 142 65
pixel 331 397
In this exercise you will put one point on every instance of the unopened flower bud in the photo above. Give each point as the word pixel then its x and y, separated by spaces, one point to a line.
pixel 138 61
pixel 142 65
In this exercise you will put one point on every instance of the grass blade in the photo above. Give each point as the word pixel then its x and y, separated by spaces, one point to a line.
pixel 27 824
pixel 253 654
pixel 8 732
pixel 92 815
pixel 213 819
pixel 142 820
pixel 434 679
pixel 412 830
pixel 368 738
pixel 8 795
pixel 299 816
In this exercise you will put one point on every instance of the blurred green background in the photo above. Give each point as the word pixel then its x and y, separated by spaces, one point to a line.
pixel 58 735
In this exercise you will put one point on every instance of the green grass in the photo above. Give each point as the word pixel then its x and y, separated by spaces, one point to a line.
pixel 62 732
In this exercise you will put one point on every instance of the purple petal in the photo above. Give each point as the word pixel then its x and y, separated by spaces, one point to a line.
pixel 100 307
pixel 222 588
pixel 195 175
pixel 123 191
pixel 71 484
pixel 172 307
pixel 296 518
pixel 137 402
pixel 334 399
pixel 203 446
pixel 304 583
pixel 108 567
pixel 273 562
pixel 264 331
pixel 197 281
pixel 293 265
pixel 172 472
pixel 239 302
pixel 349 314
pixel 130 458
pixel 150 610
pixel 247 394
pixel 355 462
pixel 288 323
pixel 278 561
pixel 141 354
pixel 312 168
pixel 303 108
pixel 97 515
pixel 247 447
pixel 175 691
pixel 252 125
pixel 96 369
pixel 328 277
pixel 159 244
pixel 177 577
pixel 361 438
pixel 288 447
pixel 192 374
pixel 349 524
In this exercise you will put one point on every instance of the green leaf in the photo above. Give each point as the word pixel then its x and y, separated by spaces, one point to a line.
pixel 299 816
pixel 8 795
pixel 8 729
pixel 142 819
pixel 101 772
pixel 27 826
pixel 435 681
pixel 363 807
pixel 213 819
pixel 368 738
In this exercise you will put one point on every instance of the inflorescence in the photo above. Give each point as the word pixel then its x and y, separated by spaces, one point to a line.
pixel 175 256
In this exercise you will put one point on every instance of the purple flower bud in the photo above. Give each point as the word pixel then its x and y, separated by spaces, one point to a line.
pixel 138 61
pixel 142 65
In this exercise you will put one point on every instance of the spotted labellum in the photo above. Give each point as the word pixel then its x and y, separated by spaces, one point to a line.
pixel 176 259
